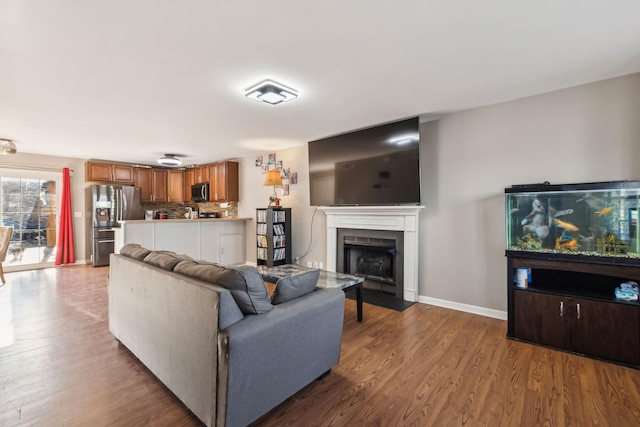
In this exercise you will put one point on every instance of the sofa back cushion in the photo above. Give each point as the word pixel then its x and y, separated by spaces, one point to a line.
pixel 244 282
pixel 166 260
pixel 135 251
pixel 292 287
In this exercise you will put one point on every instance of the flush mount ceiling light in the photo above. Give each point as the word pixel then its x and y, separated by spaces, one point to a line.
pixel 169 160
pixel 271 92
pixel 7 147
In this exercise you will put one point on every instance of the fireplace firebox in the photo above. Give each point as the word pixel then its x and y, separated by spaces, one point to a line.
pixel 375 255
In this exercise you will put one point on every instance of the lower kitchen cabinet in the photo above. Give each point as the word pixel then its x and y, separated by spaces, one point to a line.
pixel 571 306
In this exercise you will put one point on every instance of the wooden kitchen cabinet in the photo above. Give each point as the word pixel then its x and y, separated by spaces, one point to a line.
pixel 142 178
pixel 223 178
pixel 201 174
pixel 158 185
pixel 188 181
pixel 122 174
pixel 175 186
pixel 108 172
pixel 571 306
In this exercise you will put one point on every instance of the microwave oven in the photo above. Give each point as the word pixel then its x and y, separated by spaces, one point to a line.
pixel 200 192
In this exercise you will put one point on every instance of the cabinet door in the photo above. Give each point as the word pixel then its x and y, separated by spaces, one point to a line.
pixel 142 178
pixel 224 182
pixel 231 249
pixel 188 181
pixel 159 185
pixel 201 174
pixel 174 186
pixel 214 180
pixel 100 172
pixel 122 174
pixel 607 330
pixel 541 318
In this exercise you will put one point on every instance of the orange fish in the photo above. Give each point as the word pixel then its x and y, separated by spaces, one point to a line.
pixel 566 225
pixel 604 211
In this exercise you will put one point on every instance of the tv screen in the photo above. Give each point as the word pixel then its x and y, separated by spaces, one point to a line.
pixel 374 166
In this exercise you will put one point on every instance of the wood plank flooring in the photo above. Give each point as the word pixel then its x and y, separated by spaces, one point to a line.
pixel 427 366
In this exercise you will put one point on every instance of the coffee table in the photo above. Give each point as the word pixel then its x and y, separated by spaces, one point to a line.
pixel 327 279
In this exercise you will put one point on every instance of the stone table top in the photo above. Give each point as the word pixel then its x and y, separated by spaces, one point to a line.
pixel 327 279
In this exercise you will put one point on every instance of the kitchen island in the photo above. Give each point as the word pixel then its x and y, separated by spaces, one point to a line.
pixel 219 240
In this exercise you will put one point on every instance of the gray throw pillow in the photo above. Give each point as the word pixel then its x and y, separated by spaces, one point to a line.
pixel 135 251
pixel 165 259
pixel 244 282
pixel 292 287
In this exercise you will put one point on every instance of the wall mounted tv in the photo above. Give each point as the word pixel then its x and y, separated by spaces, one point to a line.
pixel 373 166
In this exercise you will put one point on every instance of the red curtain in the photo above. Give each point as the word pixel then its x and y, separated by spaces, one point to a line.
pixel 64 250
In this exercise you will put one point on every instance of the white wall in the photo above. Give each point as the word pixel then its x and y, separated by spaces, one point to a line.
pixel 254 195
pixel 582 134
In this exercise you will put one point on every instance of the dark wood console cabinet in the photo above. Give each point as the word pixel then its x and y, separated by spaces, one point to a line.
pixel 571 306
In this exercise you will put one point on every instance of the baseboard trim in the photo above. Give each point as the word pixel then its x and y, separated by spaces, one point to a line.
pixel 474 309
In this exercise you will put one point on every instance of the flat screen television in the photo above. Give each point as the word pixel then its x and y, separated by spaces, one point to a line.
pixel 374 166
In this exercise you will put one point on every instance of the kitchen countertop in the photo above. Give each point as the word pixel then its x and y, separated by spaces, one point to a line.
pixel 152 221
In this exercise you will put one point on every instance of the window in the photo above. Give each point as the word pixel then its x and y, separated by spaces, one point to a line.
pixel 28 202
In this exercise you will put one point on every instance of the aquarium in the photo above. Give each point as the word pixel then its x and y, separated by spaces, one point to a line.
pixel 574 220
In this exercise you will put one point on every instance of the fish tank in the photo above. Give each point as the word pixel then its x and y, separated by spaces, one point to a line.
pixel 595 222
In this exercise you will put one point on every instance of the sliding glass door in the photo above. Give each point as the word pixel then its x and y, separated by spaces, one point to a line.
pixel 28 202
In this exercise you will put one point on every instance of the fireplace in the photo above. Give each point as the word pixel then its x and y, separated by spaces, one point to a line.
pixel 375 255
pixel 401 219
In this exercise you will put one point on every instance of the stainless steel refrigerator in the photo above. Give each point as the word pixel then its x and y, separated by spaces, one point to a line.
pixel 111 204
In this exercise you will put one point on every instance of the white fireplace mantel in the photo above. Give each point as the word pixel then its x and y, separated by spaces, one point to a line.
pixel 393 218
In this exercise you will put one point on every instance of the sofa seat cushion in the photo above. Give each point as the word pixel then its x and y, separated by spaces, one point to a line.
pixel 295 286
pixel 135 251
pixel 166 260
pixel 244 282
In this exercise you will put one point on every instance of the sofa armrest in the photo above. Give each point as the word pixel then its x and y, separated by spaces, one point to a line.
pixel 271 356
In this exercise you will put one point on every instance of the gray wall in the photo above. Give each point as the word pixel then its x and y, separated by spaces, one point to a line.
pixel 582 134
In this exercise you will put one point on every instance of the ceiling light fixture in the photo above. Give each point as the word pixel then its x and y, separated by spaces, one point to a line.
pixel 169 160
pixel 7 147
pixel 271 92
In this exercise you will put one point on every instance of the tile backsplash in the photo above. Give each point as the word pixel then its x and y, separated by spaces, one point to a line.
pixel 177 210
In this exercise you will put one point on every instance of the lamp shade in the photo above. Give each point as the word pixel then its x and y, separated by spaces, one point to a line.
pixel 273 178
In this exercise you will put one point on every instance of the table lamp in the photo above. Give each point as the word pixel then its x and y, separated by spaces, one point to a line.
pixel 273 178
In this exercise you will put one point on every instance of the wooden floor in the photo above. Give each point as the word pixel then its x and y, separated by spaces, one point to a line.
pixel 428 366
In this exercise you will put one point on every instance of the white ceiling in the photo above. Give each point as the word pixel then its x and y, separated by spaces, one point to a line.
pixel 130 80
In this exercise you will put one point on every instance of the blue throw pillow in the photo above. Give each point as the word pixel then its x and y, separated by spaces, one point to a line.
pixel 293 287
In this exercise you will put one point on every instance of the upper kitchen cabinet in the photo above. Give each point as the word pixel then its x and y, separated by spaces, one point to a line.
pixel 159 185
pixel 201 174
pixel 108 172
pixel 223 178
pixel 142 178
pixel 175 186
pixel 188 179
pixel 152 183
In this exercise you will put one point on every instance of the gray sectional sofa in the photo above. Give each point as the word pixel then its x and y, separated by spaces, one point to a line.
pixel 213 336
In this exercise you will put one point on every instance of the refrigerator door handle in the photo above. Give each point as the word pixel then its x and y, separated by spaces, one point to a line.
pixel 124 205
pixel 119 201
